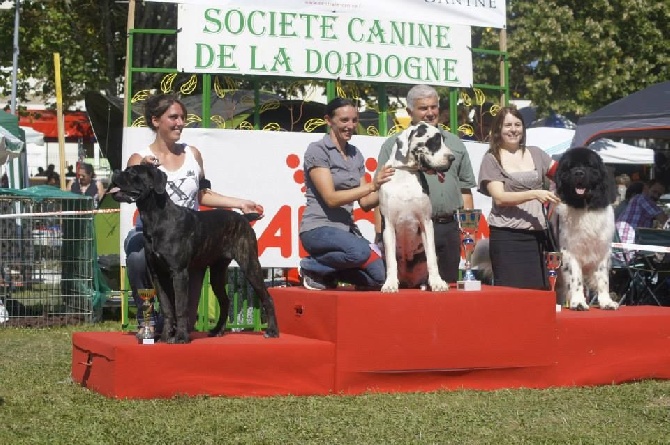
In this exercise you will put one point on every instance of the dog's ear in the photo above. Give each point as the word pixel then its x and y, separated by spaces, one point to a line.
pixel 159 180
pixel 410 161
pixel 401 146
pixel 609 184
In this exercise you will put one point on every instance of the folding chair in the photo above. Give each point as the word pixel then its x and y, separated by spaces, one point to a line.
pixel 631 278
pixel 653 265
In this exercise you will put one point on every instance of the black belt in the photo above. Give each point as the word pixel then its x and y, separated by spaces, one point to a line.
pixel 444 219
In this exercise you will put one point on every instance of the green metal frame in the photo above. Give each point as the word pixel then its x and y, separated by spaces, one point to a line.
pixel 204 316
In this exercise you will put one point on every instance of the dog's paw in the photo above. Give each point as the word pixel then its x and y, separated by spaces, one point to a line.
pixel 390 285
pixel 215 332
pixel 579 305
pixel 438 285
pixel 271 333
pixel 608 304
pixel 181 338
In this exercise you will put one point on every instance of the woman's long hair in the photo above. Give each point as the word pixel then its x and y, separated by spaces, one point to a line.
pixel 496 143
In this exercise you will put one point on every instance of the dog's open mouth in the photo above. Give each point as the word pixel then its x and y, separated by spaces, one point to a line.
pixel 439 174
pixel 124 196
pixel 580 191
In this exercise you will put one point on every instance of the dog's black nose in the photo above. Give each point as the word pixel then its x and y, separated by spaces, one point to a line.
pixel 451 158
pixel 579 173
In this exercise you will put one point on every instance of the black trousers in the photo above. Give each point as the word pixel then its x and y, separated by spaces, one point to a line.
pixel 517 258
pixel 448 249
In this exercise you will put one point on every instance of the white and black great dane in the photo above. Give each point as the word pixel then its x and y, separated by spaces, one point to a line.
pixel 405 206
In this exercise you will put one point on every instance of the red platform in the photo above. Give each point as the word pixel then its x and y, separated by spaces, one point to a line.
pixel 351 342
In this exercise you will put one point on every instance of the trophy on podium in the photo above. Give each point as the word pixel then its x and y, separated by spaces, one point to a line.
pixel 468 220
pixel 147 334
pixel 553 261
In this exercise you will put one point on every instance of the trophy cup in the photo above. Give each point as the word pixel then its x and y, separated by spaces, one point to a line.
pixel 553 262
pixel 468 221
pixel 147 335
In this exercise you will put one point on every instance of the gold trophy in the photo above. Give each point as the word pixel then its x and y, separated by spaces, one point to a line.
pixel 468 221
pixel 147 335
pixel 553 262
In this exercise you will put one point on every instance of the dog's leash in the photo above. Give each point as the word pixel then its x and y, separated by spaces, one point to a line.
pixel 548 211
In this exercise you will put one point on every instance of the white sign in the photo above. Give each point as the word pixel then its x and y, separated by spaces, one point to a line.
pixel 484 13
pixel 266 166
pixel 356 46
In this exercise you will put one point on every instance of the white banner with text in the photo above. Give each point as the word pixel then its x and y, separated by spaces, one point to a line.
pixel 268 39
pixel 484 13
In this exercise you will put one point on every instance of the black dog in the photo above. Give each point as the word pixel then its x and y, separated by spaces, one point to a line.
pixel 177 239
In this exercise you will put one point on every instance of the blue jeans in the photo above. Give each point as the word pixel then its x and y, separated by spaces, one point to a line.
pixel 340 255
pixel 137 271
pixel 139 278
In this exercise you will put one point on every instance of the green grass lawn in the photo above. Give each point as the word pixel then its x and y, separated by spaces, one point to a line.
pixel 40 405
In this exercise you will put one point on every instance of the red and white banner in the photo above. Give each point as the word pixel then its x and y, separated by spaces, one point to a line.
pixel 266 167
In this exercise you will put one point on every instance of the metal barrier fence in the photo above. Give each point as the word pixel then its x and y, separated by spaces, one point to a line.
pixel 47 258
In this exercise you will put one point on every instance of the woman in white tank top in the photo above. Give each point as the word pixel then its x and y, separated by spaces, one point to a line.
pixel 166 116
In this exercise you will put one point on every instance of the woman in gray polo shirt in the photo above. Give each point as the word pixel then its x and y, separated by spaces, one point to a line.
pixel 335 179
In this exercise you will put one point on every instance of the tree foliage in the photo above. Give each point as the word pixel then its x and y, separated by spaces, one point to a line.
pixel 566 55
pixel 575 57
pixel 85 35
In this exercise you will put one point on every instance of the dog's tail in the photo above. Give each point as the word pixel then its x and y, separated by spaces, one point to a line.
pixel 482 260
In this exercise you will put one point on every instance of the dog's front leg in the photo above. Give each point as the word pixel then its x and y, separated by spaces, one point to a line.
pixel 436 283
pixel 180 279
pixel 390 250
pixel 601 281
pixel 573 280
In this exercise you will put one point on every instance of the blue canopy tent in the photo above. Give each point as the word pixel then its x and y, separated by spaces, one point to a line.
pixel 644 114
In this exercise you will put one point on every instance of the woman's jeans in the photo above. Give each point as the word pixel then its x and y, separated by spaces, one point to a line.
pixel 136 269
pixel 340 255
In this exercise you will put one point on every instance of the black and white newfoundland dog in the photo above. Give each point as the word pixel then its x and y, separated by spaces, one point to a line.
pixel 584 221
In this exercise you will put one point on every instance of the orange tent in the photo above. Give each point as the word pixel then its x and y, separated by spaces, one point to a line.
pixel 77 124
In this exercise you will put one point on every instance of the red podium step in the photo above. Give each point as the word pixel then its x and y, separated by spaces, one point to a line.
pixel 342 341
pixel 238 364
pixel 388 342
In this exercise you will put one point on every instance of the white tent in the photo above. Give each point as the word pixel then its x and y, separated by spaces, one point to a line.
pixel 33 136
pixel 10 146
pixel 620 153
pixel 555 141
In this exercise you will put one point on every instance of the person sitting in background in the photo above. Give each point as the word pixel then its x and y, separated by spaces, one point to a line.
pixel 4 182
pixel 642 211
pixel 634 189
pixel 70 172
pixel 86 184
pixel 53 179
pixel 622 183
